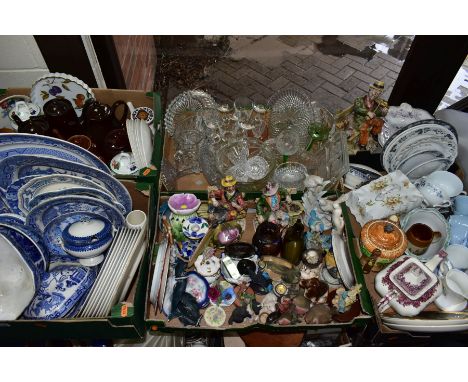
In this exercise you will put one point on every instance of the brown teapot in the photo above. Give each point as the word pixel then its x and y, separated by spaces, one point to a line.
pixel 267 239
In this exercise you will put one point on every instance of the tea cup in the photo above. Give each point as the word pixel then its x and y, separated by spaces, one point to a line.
pixel 458 256
pixel 434 196
pixel 461 205
pixel 449 183
pixel 458 229
pixel 420 236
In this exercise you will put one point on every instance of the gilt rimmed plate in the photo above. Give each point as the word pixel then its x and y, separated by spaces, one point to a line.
pixel 44 213
pixel 431 132
pixel 61 85
pixel 20 166
pixel 33 144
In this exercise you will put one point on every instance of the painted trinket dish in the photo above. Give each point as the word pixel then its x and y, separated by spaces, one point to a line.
pixel 381 241
pixel 214 316
pixel 408 285
pixel 195 228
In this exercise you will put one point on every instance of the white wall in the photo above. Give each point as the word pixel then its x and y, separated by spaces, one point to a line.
pixel 21 61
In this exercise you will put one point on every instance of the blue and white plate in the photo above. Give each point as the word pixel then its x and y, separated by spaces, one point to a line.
pixel 61 289
pixel 26 246
pixel 4 207
pixel 45 212
pixel 34 236
pixel 19 166
pixel 195 228
pixel 12 219
pixel 32 144
pixel 54 230
pixel 85 191
pixel 22 190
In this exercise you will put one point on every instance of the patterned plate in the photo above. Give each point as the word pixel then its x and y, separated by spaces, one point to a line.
pixel 412 137
pixel 61 85
pixel 6 105
pixel 60 290
pixel 19 166
pixel 32 144
pixel 195 228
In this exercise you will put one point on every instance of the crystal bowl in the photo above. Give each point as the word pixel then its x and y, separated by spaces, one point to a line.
pixel 290 175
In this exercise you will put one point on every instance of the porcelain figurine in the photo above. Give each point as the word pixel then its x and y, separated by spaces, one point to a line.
pixel 367 119
pixel 208 265
pixel 312 263
pixel 315 290
pixel 345 298
pixel 318 314
pixel 225 204
pixel 239 314
pixel 272 206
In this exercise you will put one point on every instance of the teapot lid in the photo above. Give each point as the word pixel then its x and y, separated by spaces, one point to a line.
pixel 386 236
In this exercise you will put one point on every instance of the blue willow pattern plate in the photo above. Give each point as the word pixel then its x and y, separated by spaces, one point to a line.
pixel 10 218
pixel 28 251
pixel 20 166
pixel 32 144
pixel 44 213
pixel 61 289
pixel 34 237
pixel 22 190
pixel 54 230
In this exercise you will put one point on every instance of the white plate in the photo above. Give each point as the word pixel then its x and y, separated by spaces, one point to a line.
pixel 158 269
pixel 426 321
pixel 410 138
pixel 428 167
pixel 54 85
pixel 343 261
pixel 428 328
pixel 16 281
pixel 164 278
pixel 146 142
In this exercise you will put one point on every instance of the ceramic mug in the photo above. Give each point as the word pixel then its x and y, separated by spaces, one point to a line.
pixel 136 219
pixel 420 237
pixel 461 205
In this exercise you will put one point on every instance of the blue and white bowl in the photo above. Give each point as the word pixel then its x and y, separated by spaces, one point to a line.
pixel 189 248
pixel 61 289
pixel 87 231
pixel 92 254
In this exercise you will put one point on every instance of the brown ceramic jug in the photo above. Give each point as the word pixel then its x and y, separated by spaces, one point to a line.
pixel 267 239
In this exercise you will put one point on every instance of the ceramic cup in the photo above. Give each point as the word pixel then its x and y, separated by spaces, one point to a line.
pixel 420 237
pixel 136 219
pixel 458 256
pixel 458 229
pixel 434 196
pixel 449 183
pixel 455 292
pixel 461 205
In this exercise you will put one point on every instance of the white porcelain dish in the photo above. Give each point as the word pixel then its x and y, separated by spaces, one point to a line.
pixel 157 273
pixel 343 261
pixel 428 328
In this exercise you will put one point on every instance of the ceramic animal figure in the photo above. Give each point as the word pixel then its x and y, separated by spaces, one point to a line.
pixel 318 314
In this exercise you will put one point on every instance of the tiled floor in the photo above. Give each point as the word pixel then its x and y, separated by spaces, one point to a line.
pixel 332 70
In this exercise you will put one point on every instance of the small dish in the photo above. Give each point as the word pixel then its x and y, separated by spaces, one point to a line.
pixel 143 113
pixel 290 175
pixel 124 164
pixel 198 287
pixel 89 255
pixel 359 174
pixel 195 228
pixel 87 231
pixel 183 204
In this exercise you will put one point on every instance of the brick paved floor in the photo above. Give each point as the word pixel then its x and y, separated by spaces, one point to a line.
pixel 262 65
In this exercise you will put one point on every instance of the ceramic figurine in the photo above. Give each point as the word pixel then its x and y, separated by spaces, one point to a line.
pixel 302 305
pixel 272 206
pixel 208 265
pixel 239 314
pixel 318 314
pixel 315 290
pixel 244 294
pixel 225 204
pixel 367 113
pixel 312 263
pixel 345 298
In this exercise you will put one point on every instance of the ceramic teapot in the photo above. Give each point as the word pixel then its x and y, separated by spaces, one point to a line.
pixel 34 125
pixel 381 242
pixel 267 239
pixel 408 285
pixel 63 121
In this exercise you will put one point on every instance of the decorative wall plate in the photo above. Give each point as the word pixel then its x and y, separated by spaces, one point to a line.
pixel 61 85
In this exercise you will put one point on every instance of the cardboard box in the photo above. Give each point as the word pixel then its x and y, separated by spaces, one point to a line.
pixel 144 193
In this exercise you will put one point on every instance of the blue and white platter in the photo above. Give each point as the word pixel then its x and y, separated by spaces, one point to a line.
pixel 61 289
pixel 34 236
pixel 54 230
pixel 19 166
pixel 45 212
pixel 84 191
pixel 4 207
pixel 10 218
pixel 32 144
pixel 22 190
pixel 28 248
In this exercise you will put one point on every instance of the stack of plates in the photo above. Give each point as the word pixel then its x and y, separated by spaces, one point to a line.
pixel 429 322
pixel 421 148
pixel 139 135
pixel 117 272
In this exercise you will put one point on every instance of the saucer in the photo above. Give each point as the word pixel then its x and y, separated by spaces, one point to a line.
pixel 124 164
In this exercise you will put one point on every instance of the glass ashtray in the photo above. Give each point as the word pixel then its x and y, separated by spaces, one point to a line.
pixel 290 175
